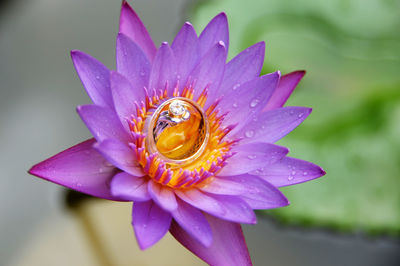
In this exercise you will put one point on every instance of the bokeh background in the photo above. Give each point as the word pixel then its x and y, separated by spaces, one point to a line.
pixel 351 51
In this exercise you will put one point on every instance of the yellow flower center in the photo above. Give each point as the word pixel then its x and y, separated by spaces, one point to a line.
pixel 177 142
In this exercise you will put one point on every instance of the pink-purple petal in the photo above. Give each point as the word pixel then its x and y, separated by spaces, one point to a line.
pixel 273 125
pixel 228 246
pixel 290 171
pixel 131 25
pixel 245 66
pixel 163 72
pixel 124 97
pixel 252 156
pixel 186 50
pixel 193 222
pixel 216 31
pixel 209 71
pixel 120 155
pixel 260 194
pixel 285 87
pixel 81 168
pixel 102 122
pixel 246 102
pixel 163 196
pixel 229 208
pixel 132 63
pixel 150 223
pixel 94 76
pixel 128 187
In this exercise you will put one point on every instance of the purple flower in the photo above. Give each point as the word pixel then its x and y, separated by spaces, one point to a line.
pixel 186 136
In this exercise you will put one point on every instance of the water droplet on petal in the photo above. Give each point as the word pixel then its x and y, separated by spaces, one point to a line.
pixel 290 178
pixel 142 73
pixel 97 77
pixel 293 172
pixel 236 86
pixel 305 173
pixel 254 103
pixel 291 112
pixel 300 115
pixel 235 105
pixel 249 133
pixel 252 157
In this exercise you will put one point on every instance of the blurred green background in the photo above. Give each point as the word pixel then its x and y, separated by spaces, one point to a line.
pixel 350 50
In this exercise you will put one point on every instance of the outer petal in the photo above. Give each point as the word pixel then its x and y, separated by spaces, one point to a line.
pixel 132 63
pixel 163 72
pixel 131 25
pixel 102 122
pixel 273 125
pixel 150 223
pixel 193 222
pixel 252 156
pixel 286 86
pixel 186 50
pixel 226 207
pixel 80 168
pixel 246 102
pixel 163 196
pixel 260 194
pixel 228 246
pixel 209 71
pixel 94 76
pixel 130 187
pixel 290 171
pixel 216 31
pixel 244 67
pixel 120 155
pixel 125 96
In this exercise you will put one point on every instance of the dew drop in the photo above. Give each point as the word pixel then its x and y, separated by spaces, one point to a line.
pixel 236 86
pixel 142 73
pixel 291 112
pixel 300 115
pixel 97 77
pixel 290 178
pixel 254 103
pixel 249 133
pixel 293 172
pixel 235 105
pixel 252 157
pixel 305 173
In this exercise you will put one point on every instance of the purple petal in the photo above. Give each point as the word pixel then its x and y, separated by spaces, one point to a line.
pixel 102 122
pixel 246 102
pixel 131 25
pixel 94 76
pixel 163 196
pixel 132 63
pixel 209 71
pixel 260 194
pixel 222 186
pixel 186 50
pixel 150 223
pixel 290 171
pixel 125 96
pixel 130 187
pixel 216 31
pixel 193 222
pixel 273 125
pixel 226 207
pixel 163 72
pixel 286 86
pixel 252 156
pixel 244 67
pixel 120 155
pixel 228 246
pixel 80 168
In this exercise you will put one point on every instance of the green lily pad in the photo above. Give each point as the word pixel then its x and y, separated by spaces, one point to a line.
pixel 350 51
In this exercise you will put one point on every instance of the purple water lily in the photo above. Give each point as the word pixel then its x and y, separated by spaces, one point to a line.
pixel 186 136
